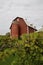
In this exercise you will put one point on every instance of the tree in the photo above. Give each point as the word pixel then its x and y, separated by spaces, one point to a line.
pixel 8 34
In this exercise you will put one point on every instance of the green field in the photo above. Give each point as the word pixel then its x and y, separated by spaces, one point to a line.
pixel 27 50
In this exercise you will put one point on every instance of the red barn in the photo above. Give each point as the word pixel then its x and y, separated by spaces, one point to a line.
pixel 19 27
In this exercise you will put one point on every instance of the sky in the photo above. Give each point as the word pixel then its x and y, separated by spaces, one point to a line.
pixel 30 10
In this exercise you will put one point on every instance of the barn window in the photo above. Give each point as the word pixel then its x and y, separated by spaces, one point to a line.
pixel 18 19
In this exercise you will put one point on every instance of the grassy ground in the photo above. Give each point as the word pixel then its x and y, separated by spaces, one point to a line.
pixel 7 61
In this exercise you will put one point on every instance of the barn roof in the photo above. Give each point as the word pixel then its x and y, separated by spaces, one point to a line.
pixel 17 18
pixel 14 21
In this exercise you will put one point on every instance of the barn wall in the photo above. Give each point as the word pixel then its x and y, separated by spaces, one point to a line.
pixel 31 30
pixel 14 30
pixel 22 26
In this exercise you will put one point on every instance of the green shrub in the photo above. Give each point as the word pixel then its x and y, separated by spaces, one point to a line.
pixel 25 51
